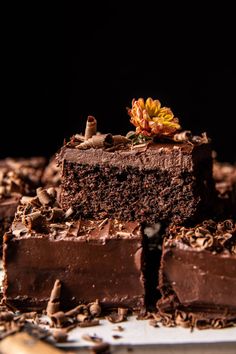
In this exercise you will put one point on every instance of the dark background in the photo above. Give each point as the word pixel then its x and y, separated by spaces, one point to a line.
pixel 66 61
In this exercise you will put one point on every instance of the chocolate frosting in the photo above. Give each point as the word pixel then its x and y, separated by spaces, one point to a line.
pixel 88 270
pixel 147 156
pixel 200 279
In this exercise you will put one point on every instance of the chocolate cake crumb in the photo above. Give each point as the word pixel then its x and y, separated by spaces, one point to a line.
pixel 116 336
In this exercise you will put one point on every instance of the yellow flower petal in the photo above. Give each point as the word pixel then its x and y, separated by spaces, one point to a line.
pixel 150 119
pixel 141 103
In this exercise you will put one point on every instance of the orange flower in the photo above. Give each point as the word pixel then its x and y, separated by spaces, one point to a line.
pixel 150 119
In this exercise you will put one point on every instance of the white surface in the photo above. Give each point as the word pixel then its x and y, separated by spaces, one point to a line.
pixel 139 332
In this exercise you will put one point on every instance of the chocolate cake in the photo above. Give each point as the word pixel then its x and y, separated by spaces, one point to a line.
pixel 198 275
pixel 101 240
pixel 151 175
pixel 100 259
pixel 152 182
pixel 17 177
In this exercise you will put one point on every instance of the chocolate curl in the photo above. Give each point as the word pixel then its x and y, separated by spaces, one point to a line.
pixel 95 308
pixel 43 196
pixel 204 242
pixel 120 139
pixel 89 323
pixel 29 200
pixel 183 136
pixel 74 229
pixel 52 192
pixel 54 301
pixel 58 319
pixel 68 213
pixel 34 221
pixel 82 317
pixel 91 127
pixel 55 214
pixel 97 142
pixel 203 139
pixel 120 316
pixel 75 311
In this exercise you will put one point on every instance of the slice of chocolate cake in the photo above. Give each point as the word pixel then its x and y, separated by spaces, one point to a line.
pixel 198 275
pixel 100 259
pixel 112 176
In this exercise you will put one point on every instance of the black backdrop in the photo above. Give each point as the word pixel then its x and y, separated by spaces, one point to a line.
pixel 65 62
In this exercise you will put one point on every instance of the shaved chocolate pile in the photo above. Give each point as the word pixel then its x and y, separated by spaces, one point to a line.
pixel 13 322
pixel 210 235
pixel 21 176
pixel 17 177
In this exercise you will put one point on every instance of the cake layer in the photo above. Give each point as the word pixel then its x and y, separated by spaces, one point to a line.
pixel 93 260
pixel 198 273
pixel 148 182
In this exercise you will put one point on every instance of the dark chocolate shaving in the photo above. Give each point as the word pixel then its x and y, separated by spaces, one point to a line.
pixel 44 197
pixel 78 309
pixel 117 317
pixel 54 301
pixel 210 235
pixel 59 319
pixel 89 323
pixel 93 339
pixel 153 323
pixel 97 142
pixel 116 336
pixel 186 135
pixel 34 221
pixel 55 214
pixel 95 308
pixel 120 140
pixel 118 329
